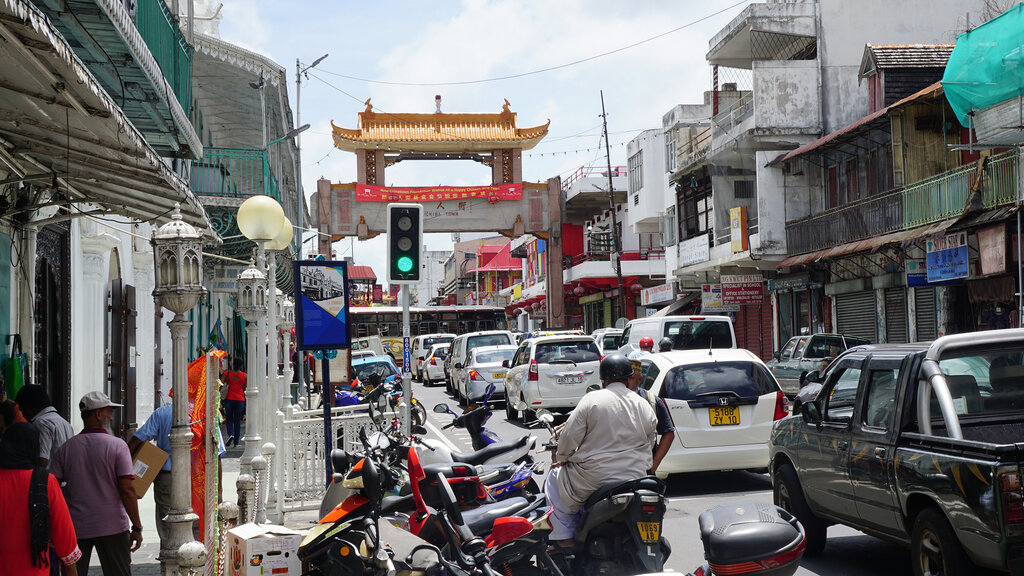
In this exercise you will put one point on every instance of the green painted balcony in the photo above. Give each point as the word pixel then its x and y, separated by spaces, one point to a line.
pixel 138 54
pixel 234 173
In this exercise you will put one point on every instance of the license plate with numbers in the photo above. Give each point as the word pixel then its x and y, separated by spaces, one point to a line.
pixel 725 416
pixel 570 379
pixel 649 531
pixel 498 375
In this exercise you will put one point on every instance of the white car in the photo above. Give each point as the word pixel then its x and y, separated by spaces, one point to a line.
pixel 550 372
pixel 607 339
pixel 484 368
pixel 723 402
pixel 420 346
pixel 433 364
pixel 458 355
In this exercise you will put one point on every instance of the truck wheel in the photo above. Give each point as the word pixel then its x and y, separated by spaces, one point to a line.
pixel 934 548
pixel 790 497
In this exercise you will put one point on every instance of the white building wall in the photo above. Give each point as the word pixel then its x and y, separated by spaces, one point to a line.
pixel 432 276
pixel 647 203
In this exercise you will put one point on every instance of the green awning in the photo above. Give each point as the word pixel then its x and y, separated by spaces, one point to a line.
pixel 987 65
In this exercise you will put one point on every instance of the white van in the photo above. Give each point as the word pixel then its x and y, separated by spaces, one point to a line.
pixel 458 354
pixel 686 332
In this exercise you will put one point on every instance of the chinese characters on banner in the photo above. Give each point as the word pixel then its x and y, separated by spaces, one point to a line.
pixel 947 257
pixel 370 193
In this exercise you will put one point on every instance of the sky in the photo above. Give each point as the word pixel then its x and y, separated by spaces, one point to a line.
pixel 377 49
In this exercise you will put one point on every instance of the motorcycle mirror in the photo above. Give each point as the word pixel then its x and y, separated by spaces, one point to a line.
pixel 441 408
pixel 363 438
pixel 545 416
pixel 593 387
pixel 420 430
pixel 490 390
pixel 520 405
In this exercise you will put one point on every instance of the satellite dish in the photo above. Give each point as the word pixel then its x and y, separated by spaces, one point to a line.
pixel 621 323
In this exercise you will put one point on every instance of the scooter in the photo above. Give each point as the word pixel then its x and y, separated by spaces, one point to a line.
pixel 488 448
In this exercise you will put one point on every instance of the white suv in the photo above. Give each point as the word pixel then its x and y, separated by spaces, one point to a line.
pixel 421 346
pixel 551 372
pixel 455 369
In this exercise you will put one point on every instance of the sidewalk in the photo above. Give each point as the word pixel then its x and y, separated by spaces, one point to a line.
pixel 144 561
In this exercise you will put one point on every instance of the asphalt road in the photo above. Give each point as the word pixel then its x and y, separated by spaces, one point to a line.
pixel 849 552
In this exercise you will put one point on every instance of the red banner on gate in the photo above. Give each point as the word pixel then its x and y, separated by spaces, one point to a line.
pixel 370 193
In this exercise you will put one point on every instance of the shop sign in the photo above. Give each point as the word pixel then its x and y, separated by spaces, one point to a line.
pixel 947 257
pixel 917 273
pixel 742 289
pixel 792 283
pixel 992 247
pixel 225 278
pixel 711 300
pixel 656 294
pixel 694 251
pixel 596 297
pixel 738 229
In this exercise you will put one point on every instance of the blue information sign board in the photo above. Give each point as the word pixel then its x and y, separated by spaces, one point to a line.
pixel 948 258
pixel 406 356
pixel 321 307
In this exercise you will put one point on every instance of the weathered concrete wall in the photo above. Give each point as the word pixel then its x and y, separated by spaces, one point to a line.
pixel 771 206
pixel 786 96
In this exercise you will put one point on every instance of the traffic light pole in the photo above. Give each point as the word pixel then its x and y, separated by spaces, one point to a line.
pixel 406 365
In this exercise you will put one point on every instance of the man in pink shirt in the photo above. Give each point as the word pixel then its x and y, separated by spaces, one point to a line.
pixel 96 468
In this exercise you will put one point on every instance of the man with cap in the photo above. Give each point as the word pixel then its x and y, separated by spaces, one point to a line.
pixel 96 468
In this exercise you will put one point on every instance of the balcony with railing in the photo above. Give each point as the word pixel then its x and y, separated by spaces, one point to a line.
pixel 138 54
pixel 925 202
pixel 233 174
pixel 600 264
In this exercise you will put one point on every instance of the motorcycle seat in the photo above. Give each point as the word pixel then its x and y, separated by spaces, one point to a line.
pixel 480 520
pixel 391 504
pixel 651 483
pixel 482 455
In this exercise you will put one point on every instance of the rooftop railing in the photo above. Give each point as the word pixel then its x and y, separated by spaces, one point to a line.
pixel 591 172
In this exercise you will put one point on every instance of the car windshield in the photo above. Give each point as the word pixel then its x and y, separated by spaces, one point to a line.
pixel 574 351
pixel 746 379
pixel 428 342
pixel 441 353
pixel 494 356
pixel 364 370
pixel 699 335
pixel 487 340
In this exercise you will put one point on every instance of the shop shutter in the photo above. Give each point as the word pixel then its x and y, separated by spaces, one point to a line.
pixel 925 318
pixel 855 315
pixel 896 316
pixel 753 326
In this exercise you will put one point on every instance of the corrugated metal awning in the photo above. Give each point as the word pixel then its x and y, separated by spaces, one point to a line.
pixel 868 245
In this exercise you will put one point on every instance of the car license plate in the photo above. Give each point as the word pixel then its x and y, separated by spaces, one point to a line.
pixel 498 375
pixel 570 379
pixel 725 416
pixel 649 531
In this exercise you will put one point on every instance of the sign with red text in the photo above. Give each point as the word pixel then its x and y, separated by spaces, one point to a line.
pixel 370 193
pixel 742 289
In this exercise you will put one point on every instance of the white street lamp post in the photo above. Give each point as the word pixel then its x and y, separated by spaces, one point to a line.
pixel 260 219
pixel 178 258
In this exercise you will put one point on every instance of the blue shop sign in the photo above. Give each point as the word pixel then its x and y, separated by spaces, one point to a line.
pixel 948 258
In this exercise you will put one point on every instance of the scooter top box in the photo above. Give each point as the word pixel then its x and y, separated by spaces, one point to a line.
pixel 744 537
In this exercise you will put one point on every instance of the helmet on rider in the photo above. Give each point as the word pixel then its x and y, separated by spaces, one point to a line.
pixel 615 368
pixel 647 343
pixel 665 344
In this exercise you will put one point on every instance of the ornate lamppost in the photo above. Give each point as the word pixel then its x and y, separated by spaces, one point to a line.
pixel 288 320
pixel 280 242
pixel 252 306
pixel 178 258
pixel 260 219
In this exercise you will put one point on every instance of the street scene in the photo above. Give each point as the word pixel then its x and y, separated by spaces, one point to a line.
pixel 502 287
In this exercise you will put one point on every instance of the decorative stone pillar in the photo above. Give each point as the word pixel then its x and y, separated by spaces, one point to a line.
pixel 252 306
pixel 91 309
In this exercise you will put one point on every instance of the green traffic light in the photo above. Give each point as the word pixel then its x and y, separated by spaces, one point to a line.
pixel 404 264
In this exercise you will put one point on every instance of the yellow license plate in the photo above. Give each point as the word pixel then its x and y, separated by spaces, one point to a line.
pixel 725 416
pixel 649 531
pixel 498 375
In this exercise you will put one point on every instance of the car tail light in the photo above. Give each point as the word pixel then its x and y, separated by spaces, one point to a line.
pixel 781 405
pixel 474 375
pixel 1012 497
pixel 532 375
pixel 433 361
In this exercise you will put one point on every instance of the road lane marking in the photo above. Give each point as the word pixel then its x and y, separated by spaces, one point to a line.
pixel 734 495
pixel 435 430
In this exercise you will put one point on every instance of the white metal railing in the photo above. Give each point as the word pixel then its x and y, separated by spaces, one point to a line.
pixel 299 434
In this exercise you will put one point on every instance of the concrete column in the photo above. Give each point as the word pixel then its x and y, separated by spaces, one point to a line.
pixel 555 297
pixel 880 314
pixel 912 314
pixel 252 398
pixel 145 341
pixel 181 517
pixel 90 357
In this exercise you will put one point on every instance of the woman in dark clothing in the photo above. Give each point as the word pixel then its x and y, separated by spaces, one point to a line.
pixel 234 403
pixel 33 508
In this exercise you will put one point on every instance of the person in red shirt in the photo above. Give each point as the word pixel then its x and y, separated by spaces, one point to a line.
pixel 33 508
pixel 234 403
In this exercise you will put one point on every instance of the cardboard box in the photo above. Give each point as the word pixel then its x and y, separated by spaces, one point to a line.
pixel 263 549
pixel 147 465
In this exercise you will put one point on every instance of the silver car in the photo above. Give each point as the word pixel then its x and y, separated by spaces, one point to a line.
pixel 551 372
pixel 484 368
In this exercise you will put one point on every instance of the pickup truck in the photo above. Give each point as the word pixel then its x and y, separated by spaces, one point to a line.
pixel 806 353
pixel 919 444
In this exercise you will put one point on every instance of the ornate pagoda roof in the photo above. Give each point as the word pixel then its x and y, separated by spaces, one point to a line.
pixel 437 132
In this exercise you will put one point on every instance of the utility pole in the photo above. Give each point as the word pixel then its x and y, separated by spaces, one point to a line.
pixel 616 241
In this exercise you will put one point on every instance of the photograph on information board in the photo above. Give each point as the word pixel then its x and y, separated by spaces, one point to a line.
pixel 321 317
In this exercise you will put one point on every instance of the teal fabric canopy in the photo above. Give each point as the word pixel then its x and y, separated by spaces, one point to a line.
pixel 987 64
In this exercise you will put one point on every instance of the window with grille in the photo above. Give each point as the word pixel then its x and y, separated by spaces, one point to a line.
pixel 636 171
pixel 695 211
pixel 744 189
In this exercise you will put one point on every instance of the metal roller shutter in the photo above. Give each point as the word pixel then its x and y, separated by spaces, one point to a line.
pixel 855 315
pixel 926 321
pixel 896 316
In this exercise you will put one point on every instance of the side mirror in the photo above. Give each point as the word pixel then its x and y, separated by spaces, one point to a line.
pixel 458 365
pixel 419 430
pixel 441 408
pixel 811 412
pixel 809 377
pixel 504 364
pixel 777 356
pixel 593 387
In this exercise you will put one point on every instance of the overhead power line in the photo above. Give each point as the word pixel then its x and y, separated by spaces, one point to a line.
pixel 542 70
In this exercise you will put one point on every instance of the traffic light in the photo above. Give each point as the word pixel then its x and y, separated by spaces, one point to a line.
pixel 405 243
